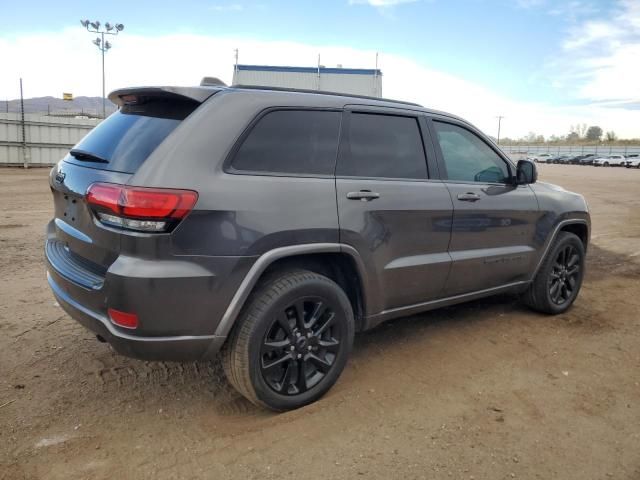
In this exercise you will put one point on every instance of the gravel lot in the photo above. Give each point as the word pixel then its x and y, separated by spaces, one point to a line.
pixel 487 390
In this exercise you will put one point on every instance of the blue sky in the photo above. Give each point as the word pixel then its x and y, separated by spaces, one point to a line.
pixel 526 51
pixel 502 44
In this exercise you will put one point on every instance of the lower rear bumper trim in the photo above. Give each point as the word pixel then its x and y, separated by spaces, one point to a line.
pixel 185 347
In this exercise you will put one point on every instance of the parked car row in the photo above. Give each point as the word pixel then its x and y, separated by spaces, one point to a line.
pixel 633 161
pixel 610 161
pixel 614 160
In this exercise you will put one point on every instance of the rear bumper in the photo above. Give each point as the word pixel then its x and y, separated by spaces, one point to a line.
pixel 179 300
pixel 178 348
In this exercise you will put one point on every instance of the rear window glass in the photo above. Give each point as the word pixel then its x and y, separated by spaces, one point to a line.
pixel 301 142
pixel 126 139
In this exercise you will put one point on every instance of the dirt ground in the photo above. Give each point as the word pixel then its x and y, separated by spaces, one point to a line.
pixel 487 390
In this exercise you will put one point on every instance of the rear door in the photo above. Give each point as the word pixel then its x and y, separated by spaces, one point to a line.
pixel 112 152
pixel 389 209
pixel 493 234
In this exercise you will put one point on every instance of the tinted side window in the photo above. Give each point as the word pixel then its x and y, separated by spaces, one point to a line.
pixel 468 158
pixel 291 141
pixel 383 146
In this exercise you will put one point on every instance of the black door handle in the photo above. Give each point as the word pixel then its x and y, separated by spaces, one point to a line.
pixel 469 197
pixel 363 195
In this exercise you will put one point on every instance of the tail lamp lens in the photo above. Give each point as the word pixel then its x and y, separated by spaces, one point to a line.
pixel 123 319
pixel 140 208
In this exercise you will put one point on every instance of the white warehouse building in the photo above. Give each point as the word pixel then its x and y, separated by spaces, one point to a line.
pixel 354 81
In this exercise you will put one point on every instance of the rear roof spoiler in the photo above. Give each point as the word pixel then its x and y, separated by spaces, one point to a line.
pixel 196 94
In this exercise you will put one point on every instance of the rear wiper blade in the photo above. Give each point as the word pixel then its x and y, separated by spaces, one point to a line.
pixel 87 156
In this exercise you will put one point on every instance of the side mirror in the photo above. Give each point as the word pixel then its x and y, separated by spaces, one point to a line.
pixel 526 172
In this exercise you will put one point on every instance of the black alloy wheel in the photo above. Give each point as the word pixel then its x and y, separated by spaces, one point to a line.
pixel 301 346
pixel 292 341
pixel 564 275
pixel 559 278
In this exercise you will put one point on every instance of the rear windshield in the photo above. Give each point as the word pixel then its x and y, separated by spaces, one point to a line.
pixel 122 142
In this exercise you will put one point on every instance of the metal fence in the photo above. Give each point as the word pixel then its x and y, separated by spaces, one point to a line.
pixel 77 113
pixel 47 139
pixel 56 108
pixel 518 151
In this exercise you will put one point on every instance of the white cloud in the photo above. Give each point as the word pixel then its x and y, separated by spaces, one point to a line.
pixel 184 59
pixel 573 9
pixel 590 32
pixel 601 58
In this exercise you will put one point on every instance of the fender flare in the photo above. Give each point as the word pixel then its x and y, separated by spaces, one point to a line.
pixel 265 260
pixel 552 238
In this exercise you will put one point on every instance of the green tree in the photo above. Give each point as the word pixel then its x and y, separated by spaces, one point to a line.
pixel 594 133
pixel 573 136
pixel 611 136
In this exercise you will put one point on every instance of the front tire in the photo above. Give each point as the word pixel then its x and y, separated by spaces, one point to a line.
pixel 558 281
pixel 291 342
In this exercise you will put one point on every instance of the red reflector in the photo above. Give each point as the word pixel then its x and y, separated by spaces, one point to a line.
pixel 123 319
pixel 142 202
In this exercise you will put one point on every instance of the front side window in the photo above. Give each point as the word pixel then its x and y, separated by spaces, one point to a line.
pixel 384 146
pixel 468 158
pixel 300 142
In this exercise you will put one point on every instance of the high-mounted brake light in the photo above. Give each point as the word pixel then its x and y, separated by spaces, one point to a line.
pixel 129 99
pixel 140 208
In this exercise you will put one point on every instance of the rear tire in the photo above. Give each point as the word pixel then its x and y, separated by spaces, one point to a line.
pixel 291 342
pixel 558 281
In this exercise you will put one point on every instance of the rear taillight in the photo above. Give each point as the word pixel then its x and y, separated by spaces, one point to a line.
pixel 140 208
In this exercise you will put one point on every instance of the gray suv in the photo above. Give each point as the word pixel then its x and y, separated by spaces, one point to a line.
pixel 271 225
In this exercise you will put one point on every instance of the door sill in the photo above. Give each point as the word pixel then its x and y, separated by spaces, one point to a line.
pixel 385 315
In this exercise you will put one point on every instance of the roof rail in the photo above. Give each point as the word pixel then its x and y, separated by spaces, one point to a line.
pixel 322 92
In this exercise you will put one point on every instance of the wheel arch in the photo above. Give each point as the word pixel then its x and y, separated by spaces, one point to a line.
pixel 578 226
pixel 580 229
pixel 341 263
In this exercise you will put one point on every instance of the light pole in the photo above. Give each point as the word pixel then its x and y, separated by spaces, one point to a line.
pixel 94 27
pixel 499 117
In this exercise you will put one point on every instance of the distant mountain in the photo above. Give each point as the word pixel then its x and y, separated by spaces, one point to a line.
pixel 89 105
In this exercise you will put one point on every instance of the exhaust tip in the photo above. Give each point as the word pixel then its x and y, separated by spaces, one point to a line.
pixel 101 339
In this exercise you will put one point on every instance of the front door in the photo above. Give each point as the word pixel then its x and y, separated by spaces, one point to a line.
pixel 390 211
pixel 493 230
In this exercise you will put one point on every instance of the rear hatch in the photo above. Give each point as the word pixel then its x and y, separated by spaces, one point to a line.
pixel 81 247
